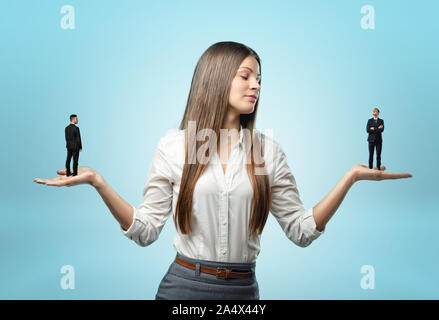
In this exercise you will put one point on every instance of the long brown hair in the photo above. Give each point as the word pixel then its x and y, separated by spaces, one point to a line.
pixel 207 106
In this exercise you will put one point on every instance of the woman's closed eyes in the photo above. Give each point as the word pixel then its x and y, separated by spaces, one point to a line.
pixel 246 78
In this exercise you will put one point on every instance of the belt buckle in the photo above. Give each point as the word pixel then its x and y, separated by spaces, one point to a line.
pixel 221 273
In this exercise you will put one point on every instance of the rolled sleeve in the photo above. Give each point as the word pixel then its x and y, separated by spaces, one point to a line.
pixel 156 207
pixel 297 222
pixel 134 225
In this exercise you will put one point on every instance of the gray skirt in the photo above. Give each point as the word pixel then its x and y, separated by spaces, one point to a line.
pixel 181 283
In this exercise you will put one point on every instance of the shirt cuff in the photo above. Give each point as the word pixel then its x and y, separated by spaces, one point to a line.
pixel 131 229
pixel 312 226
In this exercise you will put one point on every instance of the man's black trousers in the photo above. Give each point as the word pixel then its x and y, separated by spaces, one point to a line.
pixel 75 154
pixel 378 144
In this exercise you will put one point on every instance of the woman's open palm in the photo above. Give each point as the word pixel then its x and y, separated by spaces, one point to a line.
pixel 85 176
pixel 364 173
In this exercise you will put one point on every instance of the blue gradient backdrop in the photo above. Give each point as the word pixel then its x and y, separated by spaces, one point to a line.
pixel 126 71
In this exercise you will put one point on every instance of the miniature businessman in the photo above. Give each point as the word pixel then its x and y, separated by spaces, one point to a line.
pixel 73 145
pixel 375 126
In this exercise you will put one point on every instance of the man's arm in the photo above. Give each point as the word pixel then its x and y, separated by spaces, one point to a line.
pixel 382 128
pixel 368 128
pixel 79 139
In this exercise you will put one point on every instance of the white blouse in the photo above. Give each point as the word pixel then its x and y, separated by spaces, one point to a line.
pixel 221 202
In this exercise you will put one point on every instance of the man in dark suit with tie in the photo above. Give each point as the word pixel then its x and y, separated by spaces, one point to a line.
pixel 73 145
pixel 374 127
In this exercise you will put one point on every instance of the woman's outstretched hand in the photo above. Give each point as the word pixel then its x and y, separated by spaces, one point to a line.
pixel 121 210
pixel 325 209
pixel 362 172
pixel 86 175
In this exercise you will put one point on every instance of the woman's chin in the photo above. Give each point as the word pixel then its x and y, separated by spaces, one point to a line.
pixel 247 110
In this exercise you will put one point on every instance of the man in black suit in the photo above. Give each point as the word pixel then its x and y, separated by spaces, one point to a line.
pixel 374 127
pixel 73 145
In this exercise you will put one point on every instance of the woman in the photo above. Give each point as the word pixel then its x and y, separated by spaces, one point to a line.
pixel 222 209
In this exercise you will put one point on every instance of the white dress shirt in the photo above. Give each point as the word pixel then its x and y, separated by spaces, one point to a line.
pixel 221 202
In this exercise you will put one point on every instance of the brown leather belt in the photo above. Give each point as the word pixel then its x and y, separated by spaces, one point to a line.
pixel 221 273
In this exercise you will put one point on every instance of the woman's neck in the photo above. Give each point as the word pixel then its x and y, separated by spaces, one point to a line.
pixel 231 121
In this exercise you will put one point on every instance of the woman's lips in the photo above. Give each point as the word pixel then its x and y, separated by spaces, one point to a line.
pixel 251 98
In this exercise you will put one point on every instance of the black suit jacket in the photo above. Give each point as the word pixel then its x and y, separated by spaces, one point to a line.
pixel 374 135
pixel 73 137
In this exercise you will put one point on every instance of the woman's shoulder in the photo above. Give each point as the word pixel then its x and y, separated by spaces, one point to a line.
pixel 269 141
pixel 271 147
pixel 172 144
pixel 172 135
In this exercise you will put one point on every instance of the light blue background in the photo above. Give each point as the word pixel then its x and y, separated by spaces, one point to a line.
pixel 126 71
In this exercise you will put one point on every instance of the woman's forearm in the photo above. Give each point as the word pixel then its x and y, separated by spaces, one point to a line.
pixel 326 208
pixel 121 210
